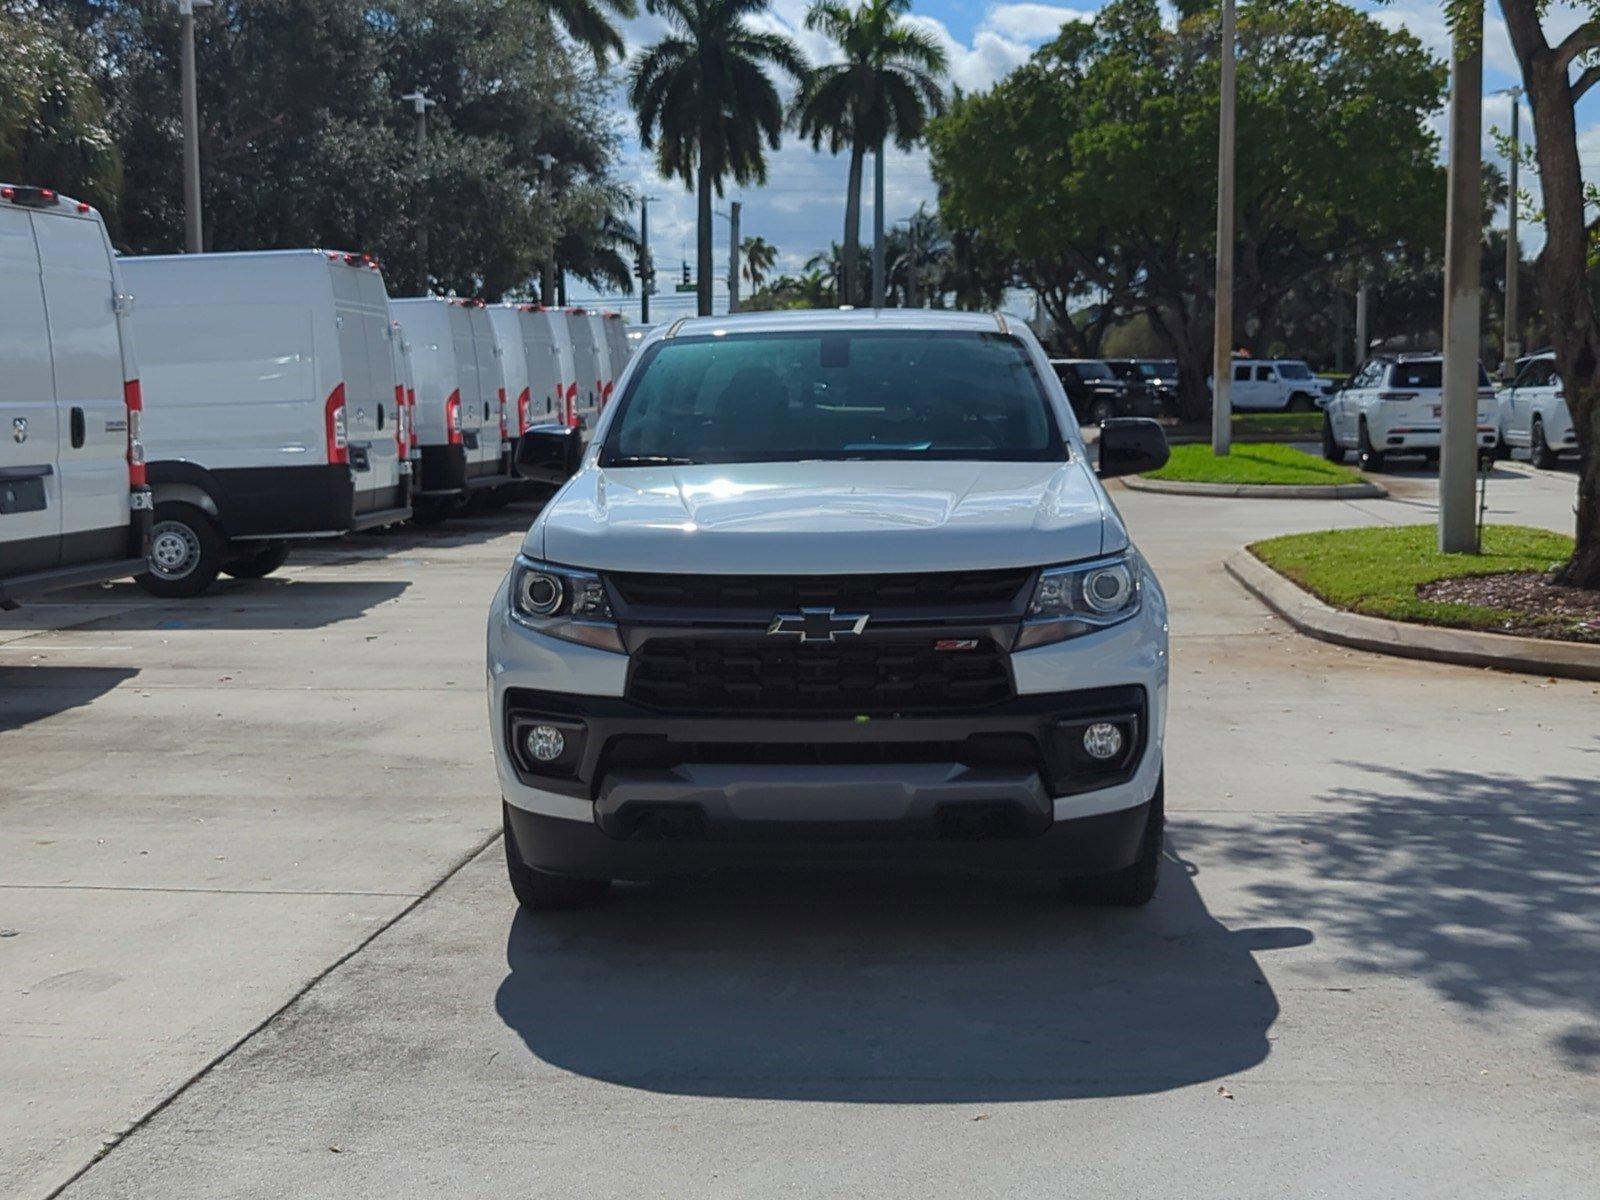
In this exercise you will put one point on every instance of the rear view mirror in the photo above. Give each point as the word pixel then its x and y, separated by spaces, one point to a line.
pixel 549 454
pixel 1131 445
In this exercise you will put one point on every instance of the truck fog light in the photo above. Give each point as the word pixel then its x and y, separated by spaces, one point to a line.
pixel 1102 740
pixel 546 744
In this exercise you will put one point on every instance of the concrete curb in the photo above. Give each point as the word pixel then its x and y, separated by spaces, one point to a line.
pixel 1365 490
pixel 1464 647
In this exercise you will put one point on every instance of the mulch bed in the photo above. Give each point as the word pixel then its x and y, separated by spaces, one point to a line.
pixel 1533 606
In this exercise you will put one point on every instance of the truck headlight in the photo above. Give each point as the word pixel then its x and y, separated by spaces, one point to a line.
pixel 1073 600
pixel 563 603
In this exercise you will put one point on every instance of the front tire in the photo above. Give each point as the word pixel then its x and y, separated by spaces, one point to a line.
pixel 260 563
pixel 186 552
pixel 1301 403
pixel 1135 884
pixel 1539 452
pixel 540 891
pixel 1370 457
pixel 1331 450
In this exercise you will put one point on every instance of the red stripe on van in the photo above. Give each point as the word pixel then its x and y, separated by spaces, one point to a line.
pixel 336 431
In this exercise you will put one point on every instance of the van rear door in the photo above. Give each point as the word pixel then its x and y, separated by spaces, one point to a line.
pixel 91 411
pixel 361 310
pixel 586 363
pixel 545 388
pixel 30 487
pixel 492 386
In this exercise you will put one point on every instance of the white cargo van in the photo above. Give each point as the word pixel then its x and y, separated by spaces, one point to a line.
pixel 621 349
pixel 588 366
pixel 567 364
pixel 547 367
pixel 405 394
pixel 74 507
pixel 459 386
pixel 270 408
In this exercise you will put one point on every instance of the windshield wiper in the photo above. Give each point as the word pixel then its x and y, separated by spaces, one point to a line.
pixel 650 460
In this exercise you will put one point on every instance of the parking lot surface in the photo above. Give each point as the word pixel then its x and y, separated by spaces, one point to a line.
pixel 1373 967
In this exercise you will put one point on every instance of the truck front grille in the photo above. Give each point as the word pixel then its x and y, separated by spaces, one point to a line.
pixel 752 676
pixel 938 590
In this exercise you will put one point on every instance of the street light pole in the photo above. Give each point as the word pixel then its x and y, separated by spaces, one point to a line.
pixel 1512 346
pixel 547 274
pixel 733 256
pixel 1463 236
pixel 420 104
pixel 877 228
pixel 1222 339
pixel 194 240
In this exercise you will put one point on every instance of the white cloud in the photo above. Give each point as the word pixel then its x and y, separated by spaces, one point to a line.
pixel 1031 22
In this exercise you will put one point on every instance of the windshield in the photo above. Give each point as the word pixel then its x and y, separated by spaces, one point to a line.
pixel 794 396
pixel 1293 370
pixel 1427 373
pixel 1158 369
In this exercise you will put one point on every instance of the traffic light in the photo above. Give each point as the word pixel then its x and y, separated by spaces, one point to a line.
pixel 686 272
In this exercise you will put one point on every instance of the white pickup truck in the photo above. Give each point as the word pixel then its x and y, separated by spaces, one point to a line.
pixel 831 587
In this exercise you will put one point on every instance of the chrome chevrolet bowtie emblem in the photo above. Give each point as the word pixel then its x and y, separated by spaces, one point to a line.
pixel 817 624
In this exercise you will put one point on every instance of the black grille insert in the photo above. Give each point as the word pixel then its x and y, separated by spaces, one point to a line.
pixel 768 675
pixel 941 590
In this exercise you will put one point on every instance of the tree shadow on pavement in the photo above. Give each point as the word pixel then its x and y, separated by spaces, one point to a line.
pixel 873 989
pixel 34 693
pixel 1486 887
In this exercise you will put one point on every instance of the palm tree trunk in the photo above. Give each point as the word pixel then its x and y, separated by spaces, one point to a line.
pixel 849 288
pixel 703 266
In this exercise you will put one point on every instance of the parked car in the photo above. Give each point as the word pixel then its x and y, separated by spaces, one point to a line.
pixel 1533 413
pixel 74 505
pixel 1159 374
pixel 1097 395
pixel 1276 385
pixel 459 386
pixel 831 586
pixel 1392 405
pixel 271 410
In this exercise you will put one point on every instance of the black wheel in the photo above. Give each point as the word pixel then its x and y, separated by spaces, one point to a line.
pixel 430 510
pixel 540 891
pixel 258 564
pixel 1539 452
pixel 1369 457
pixel 1302 403
pixel 186 552
pixel 1101 411
pixel 1502 449
pixel 1135 884
pixel 1331 450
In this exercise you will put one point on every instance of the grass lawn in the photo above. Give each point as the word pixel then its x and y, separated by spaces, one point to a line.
pixel 1252 464
pixel 1307 424
pixel 1377 570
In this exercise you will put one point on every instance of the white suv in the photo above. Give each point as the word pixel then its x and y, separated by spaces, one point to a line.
pixel 831 587
pixel 1534 413
pixel 1275 385
pixel 1392 405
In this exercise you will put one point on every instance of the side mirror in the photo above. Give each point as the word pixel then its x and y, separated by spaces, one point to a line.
pixel 1131 445
pixel 549 454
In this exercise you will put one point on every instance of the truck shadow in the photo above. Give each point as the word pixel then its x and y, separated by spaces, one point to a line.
pixel 36 693
pixel 272 603
pixel 852 989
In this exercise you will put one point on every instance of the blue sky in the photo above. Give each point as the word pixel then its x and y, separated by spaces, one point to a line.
pixel 801 209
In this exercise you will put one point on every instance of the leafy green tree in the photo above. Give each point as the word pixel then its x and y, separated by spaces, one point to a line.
pixel 53 128
pixel 1094 166
pixel 707 104
pixel 886 88
pixel 758 255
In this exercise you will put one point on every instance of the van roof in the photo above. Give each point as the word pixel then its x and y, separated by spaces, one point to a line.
pixel 45 200
pixel 348 257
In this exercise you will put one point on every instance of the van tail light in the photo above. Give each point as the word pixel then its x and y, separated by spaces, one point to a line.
pixel 411 421
pixel 452 417
pixel 524 406
pixel 133 401
pixel 338 432
pixel 402 441
pixel 571 417
pixel 505 421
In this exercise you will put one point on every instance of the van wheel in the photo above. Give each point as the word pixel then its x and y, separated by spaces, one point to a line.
pixel 540 891
pixel 186 552
pixel 1331 450
pixel 1539 452
pixel 260 563
pixel 1369 458
pixel 1302 403
pixel 1135 884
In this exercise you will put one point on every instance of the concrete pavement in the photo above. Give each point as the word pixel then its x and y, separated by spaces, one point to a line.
pixel 1373 968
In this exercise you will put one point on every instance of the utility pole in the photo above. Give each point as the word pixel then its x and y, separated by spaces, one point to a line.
pixel 547 274
pixel 1458 447
pixel 647 271
pixel 911 261
pixel 1222 340
pixel 877 228
pixel 733 256
pixel 194 241
pixel 420 104
pixel 1363 316
pixel 1513 343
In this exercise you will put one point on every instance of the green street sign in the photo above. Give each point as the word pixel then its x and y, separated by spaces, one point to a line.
pixel 685 287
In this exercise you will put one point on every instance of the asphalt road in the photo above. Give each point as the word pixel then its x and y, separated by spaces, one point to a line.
pixel 1373 968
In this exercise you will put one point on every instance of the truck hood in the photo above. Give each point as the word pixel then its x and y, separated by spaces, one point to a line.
pixel 825 517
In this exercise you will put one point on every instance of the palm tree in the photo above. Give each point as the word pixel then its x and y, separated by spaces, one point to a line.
pixel 706 102
pixel 886 88
pixel 759 255
pixel 588 24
